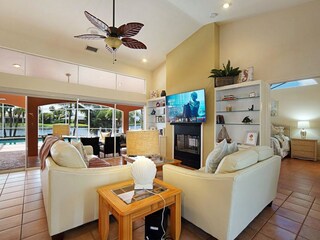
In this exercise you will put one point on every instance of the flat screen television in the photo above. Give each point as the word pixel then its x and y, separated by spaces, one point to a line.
pixel 186 107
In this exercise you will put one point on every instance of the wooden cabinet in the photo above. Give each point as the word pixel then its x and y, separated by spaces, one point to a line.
pixel 235 102
pixel 304 149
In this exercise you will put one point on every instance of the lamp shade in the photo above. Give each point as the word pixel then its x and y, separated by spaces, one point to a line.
pixel 60 129
pixel 143 143
pixel 303 124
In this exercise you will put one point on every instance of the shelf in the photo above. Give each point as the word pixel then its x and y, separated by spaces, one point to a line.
pixel 162 115
pixel 235 111
pixel 243 124
pixel 240 98
pixel 156 107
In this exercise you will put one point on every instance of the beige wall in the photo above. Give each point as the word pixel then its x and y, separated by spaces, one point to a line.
pixel 158 79
pixel 188 67
pixel 282 45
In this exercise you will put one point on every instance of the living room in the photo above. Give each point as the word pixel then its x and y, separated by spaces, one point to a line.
pixel 281 45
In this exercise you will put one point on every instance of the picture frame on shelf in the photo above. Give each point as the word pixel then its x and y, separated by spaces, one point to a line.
pixel 246 75
pixel 251 138
pixel 153 93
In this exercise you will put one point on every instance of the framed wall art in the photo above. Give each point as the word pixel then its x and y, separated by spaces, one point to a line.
pixel 251 138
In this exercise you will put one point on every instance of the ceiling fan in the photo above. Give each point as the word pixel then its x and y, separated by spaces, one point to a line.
pixel 115 37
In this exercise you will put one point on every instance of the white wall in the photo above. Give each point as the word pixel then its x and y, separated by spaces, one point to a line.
pixel 41 46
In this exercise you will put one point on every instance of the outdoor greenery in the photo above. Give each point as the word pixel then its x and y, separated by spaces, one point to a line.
pixel 15 117
pixel 96 117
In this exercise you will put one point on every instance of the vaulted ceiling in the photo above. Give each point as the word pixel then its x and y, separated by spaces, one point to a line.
pixel 166 22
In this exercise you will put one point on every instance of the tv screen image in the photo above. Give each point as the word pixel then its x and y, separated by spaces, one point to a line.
pixel 186 107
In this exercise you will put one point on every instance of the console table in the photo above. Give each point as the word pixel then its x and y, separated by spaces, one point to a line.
pixel 116 198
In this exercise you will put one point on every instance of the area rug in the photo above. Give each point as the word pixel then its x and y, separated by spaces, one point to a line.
pixel 12 160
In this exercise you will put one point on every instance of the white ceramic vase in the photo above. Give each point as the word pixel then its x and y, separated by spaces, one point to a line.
pixel 143 172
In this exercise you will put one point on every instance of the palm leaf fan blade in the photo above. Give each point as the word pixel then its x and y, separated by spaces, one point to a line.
pixel 97 22
pixel 90 36
pixel 133 43
pixel 129 29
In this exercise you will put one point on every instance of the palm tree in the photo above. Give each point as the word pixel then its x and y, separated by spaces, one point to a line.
pixel 20 114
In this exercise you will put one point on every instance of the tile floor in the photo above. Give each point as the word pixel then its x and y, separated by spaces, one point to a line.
pixel 295 213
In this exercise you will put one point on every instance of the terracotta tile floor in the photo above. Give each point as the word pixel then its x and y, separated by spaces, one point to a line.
pixel 295 213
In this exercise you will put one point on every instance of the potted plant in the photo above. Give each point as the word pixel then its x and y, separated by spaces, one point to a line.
pixel 225 76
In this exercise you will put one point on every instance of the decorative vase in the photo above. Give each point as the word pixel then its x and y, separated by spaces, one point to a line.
pixel 163 93
pixel 143 171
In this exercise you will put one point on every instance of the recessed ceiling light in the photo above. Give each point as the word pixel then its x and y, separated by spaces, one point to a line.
pixel 16 65
pixel 144 60
pixel 226 5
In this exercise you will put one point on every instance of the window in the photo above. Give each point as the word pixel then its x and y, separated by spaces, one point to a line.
pixel 136 120
pixel 292 84
pixel 84 120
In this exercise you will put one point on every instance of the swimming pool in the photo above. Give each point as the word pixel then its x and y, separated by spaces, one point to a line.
pixel 14 141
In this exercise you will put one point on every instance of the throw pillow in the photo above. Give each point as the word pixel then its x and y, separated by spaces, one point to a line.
pixel 232 147
pixel 103 135
pixel 237 161
pixel 66 155
pixel 80 148
pixel 216 156
pixel 97 163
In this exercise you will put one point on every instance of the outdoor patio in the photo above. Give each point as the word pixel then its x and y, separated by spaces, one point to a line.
pixel 12 157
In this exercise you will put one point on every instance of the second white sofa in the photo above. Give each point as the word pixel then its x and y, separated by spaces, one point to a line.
pixel 223 204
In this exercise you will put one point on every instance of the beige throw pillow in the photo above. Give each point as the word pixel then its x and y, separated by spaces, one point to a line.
pixel 103 135
pixel 66 155
pixel 216 156
pixel 237 161
pixel 80 148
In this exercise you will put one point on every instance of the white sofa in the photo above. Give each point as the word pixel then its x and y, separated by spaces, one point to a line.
pixel 70 194
pixel 223 204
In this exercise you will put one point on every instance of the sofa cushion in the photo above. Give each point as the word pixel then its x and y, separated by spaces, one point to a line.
pixel 236 161
pixel 66 155
pixel 80 148
pixel 216 156
pixel 264 152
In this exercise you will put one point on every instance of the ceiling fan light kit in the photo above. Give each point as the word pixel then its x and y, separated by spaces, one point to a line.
pixel 115 37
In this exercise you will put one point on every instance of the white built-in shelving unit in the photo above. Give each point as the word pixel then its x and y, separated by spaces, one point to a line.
pixel 237 101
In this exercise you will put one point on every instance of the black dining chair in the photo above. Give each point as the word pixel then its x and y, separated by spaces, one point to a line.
pixel 108 146
pixel 92 141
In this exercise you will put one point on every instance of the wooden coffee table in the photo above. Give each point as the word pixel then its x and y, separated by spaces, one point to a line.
pixel 158 161
pixel 127 212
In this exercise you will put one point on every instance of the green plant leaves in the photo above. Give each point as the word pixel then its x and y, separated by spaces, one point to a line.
pixel 227 71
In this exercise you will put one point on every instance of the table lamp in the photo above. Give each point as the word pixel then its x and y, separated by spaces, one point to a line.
pixel 143 144
pixel 303 125
pixel 60 129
